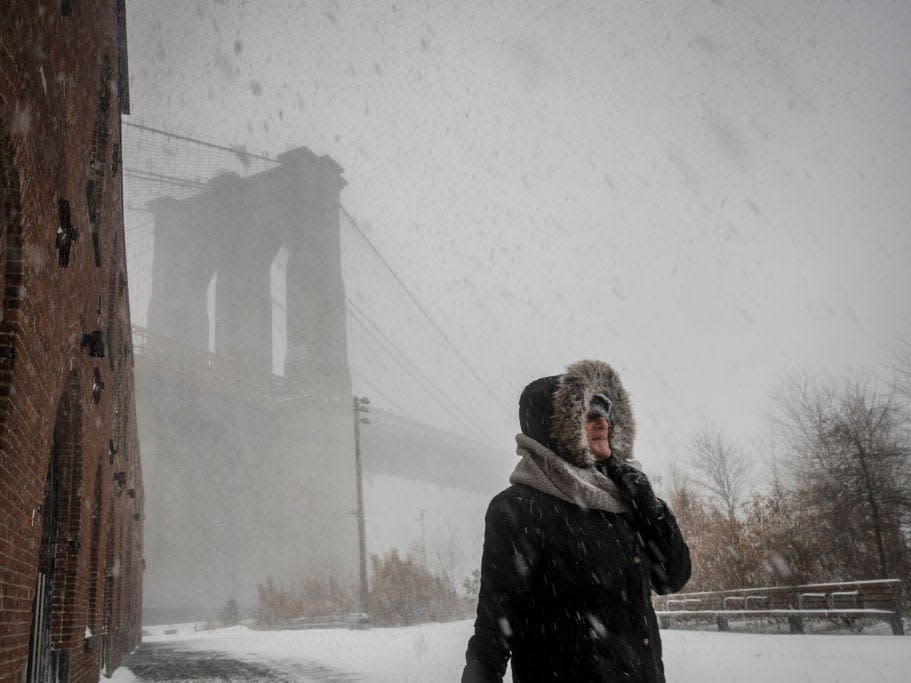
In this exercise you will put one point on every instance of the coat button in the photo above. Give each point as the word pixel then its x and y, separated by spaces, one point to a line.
pixel 645 641
pixel 636 559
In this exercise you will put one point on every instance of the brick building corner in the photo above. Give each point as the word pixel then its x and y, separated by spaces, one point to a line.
pixel 71 495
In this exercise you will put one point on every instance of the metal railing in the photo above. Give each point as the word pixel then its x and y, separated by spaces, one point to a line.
pixel 847 600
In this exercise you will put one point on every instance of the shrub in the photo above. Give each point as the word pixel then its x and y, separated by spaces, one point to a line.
pixel 275 604
pixel 405 592
pixel 316 597
pixel 230 613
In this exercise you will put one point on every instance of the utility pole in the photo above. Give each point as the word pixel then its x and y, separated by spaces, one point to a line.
pixel 360 406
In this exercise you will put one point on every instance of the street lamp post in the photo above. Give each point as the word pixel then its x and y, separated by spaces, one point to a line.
pixel 360 406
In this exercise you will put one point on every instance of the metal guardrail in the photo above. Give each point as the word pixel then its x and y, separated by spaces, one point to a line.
pixel 840 595
pixel 804 597
pixel 354 621
pixel 876 599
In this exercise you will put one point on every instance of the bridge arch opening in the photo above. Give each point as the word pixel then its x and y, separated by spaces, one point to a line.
pixel 278 290
pixel 211 302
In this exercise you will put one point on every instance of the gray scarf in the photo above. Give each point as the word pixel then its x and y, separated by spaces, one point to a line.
pixel 542 469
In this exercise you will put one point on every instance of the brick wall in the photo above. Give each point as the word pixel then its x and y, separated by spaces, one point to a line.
pixel 71 496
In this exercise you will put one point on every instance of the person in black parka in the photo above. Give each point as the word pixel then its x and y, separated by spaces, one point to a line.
pixel 573 549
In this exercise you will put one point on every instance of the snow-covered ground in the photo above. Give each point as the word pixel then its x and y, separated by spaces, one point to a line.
pixel 434 652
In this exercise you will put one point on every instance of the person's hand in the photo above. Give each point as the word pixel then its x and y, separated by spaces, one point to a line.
pixel 634 485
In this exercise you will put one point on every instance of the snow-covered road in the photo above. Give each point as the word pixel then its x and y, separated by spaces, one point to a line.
pixel 433 653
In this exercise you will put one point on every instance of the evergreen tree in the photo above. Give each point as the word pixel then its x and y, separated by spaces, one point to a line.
pixel 230 613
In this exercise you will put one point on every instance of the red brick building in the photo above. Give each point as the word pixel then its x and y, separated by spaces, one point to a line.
pixel 71 496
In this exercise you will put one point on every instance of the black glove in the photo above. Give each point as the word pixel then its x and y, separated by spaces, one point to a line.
pixel 634 486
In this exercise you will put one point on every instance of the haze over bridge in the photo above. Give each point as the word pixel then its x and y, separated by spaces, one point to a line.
pixel 246 366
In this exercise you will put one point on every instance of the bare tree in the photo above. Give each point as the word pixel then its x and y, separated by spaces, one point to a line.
pixel 851 464
pixel 767 448
pixel 447 553
pixel 901 367
pixel 683 499
pixel 721 469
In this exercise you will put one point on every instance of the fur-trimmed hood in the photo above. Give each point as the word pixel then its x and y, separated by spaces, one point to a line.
pixel 562 416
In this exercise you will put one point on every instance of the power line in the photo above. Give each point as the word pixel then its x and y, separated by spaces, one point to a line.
pixel 440 393
pixel 238 152
pixel 385 337
pixel 377 390
pixel 139 226
pixel 424 312
pixel 466 421
pixel 163 179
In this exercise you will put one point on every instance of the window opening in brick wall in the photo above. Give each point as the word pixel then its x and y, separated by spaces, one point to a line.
pixel 111 326
pixel 118 594
pixel 278 285
pixel 66 233
pixel 60 515
pixel 11 263
pixel 117 412
pixel 94 576
pixel 127 607
pixel 109 573
pixel 39 659
pixel 94 184
pixel 97 385
pixel 123 62
pixel 68 439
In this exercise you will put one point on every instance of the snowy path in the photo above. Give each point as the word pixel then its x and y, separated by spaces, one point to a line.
pixel 174 662
pixel 433 653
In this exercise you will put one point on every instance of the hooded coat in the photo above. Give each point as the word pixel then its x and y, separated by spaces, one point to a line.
pixel 569 564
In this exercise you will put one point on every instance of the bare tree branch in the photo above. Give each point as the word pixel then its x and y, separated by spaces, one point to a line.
pixel 722 468
pixel 447 553
pixel 851 459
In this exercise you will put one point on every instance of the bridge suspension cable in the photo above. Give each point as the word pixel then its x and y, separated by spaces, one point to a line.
pixel 426 315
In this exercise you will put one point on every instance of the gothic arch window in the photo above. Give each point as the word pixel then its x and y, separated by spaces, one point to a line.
pixel 68 444
pixel 110 571
pixel 95 577
pixel 94 184
pixel 11 264
pixel 61 510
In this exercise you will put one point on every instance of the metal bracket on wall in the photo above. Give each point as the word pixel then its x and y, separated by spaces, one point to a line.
pixel 66 233
pixel 97 385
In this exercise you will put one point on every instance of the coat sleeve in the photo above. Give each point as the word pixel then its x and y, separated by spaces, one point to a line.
pixel 507 564
pixel 668 551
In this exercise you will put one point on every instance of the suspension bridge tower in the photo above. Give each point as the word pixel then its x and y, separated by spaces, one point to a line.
pixel 244 391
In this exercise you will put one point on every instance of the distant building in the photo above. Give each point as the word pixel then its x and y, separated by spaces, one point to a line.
pixel 71 490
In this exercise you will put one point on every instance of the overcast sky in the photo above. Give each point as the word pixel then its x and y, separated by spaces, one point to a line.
pixel 707 195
